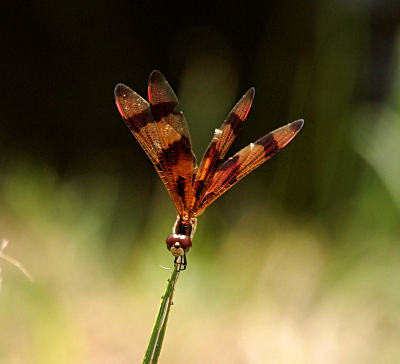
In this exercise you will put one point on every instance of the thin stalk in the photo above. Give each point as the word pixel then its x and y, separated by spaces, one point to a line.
pixel 160 326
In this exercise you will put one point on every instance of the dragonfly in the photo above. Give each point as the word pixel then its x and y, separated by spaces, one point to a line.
pixel 163 133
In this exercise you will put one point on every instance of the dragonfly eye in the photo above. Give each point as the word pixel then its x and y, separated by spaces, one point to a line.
pixel 178 241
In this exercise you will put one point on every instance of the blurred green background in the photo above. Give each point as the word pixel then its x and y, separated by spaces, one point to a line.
pixel 298 263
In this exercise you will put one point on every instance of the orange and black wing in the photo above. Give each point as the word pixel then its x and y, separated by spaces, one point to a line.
pixel 246 160
pixel 163 134
pixel 177 156
pixel 222 140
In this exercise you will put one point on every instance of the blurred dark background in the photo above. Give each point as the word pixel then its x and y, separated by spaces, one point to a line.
pixel 311 239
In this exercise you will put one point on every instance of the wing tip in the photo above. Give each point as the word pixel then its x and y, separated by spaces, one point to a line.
pixel 297 125
pixel 250 93
pixel 121 90
pixel 157 77
pixel 242 107
pixel 248 96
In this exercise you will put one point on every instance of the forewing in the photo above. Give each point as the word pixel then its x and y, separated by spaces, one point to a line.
pixel 247 159
pixel 137 114
pixel 177 158
pixel 222 140
pixel 135 111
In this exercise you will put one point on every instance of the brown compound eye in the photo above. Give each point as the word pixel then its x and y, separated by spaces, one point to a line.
pixel 179 241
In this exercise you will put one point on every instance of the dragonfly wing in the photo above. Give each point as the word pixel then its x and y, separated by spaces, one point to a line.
pixel 222 140
pixel 177 157
pixel 247 159
pixel 162 133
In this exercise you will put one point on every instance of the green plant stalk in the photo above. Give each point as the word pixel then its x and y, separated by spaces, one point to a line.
pixel 160 326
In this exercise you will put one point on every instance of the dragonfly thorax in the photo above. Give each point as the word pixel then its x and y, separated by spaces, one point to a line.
pixel 185 226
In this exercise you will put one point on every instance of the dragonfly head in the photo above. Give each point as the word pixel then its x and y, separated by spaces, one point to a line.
pixel 178 244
